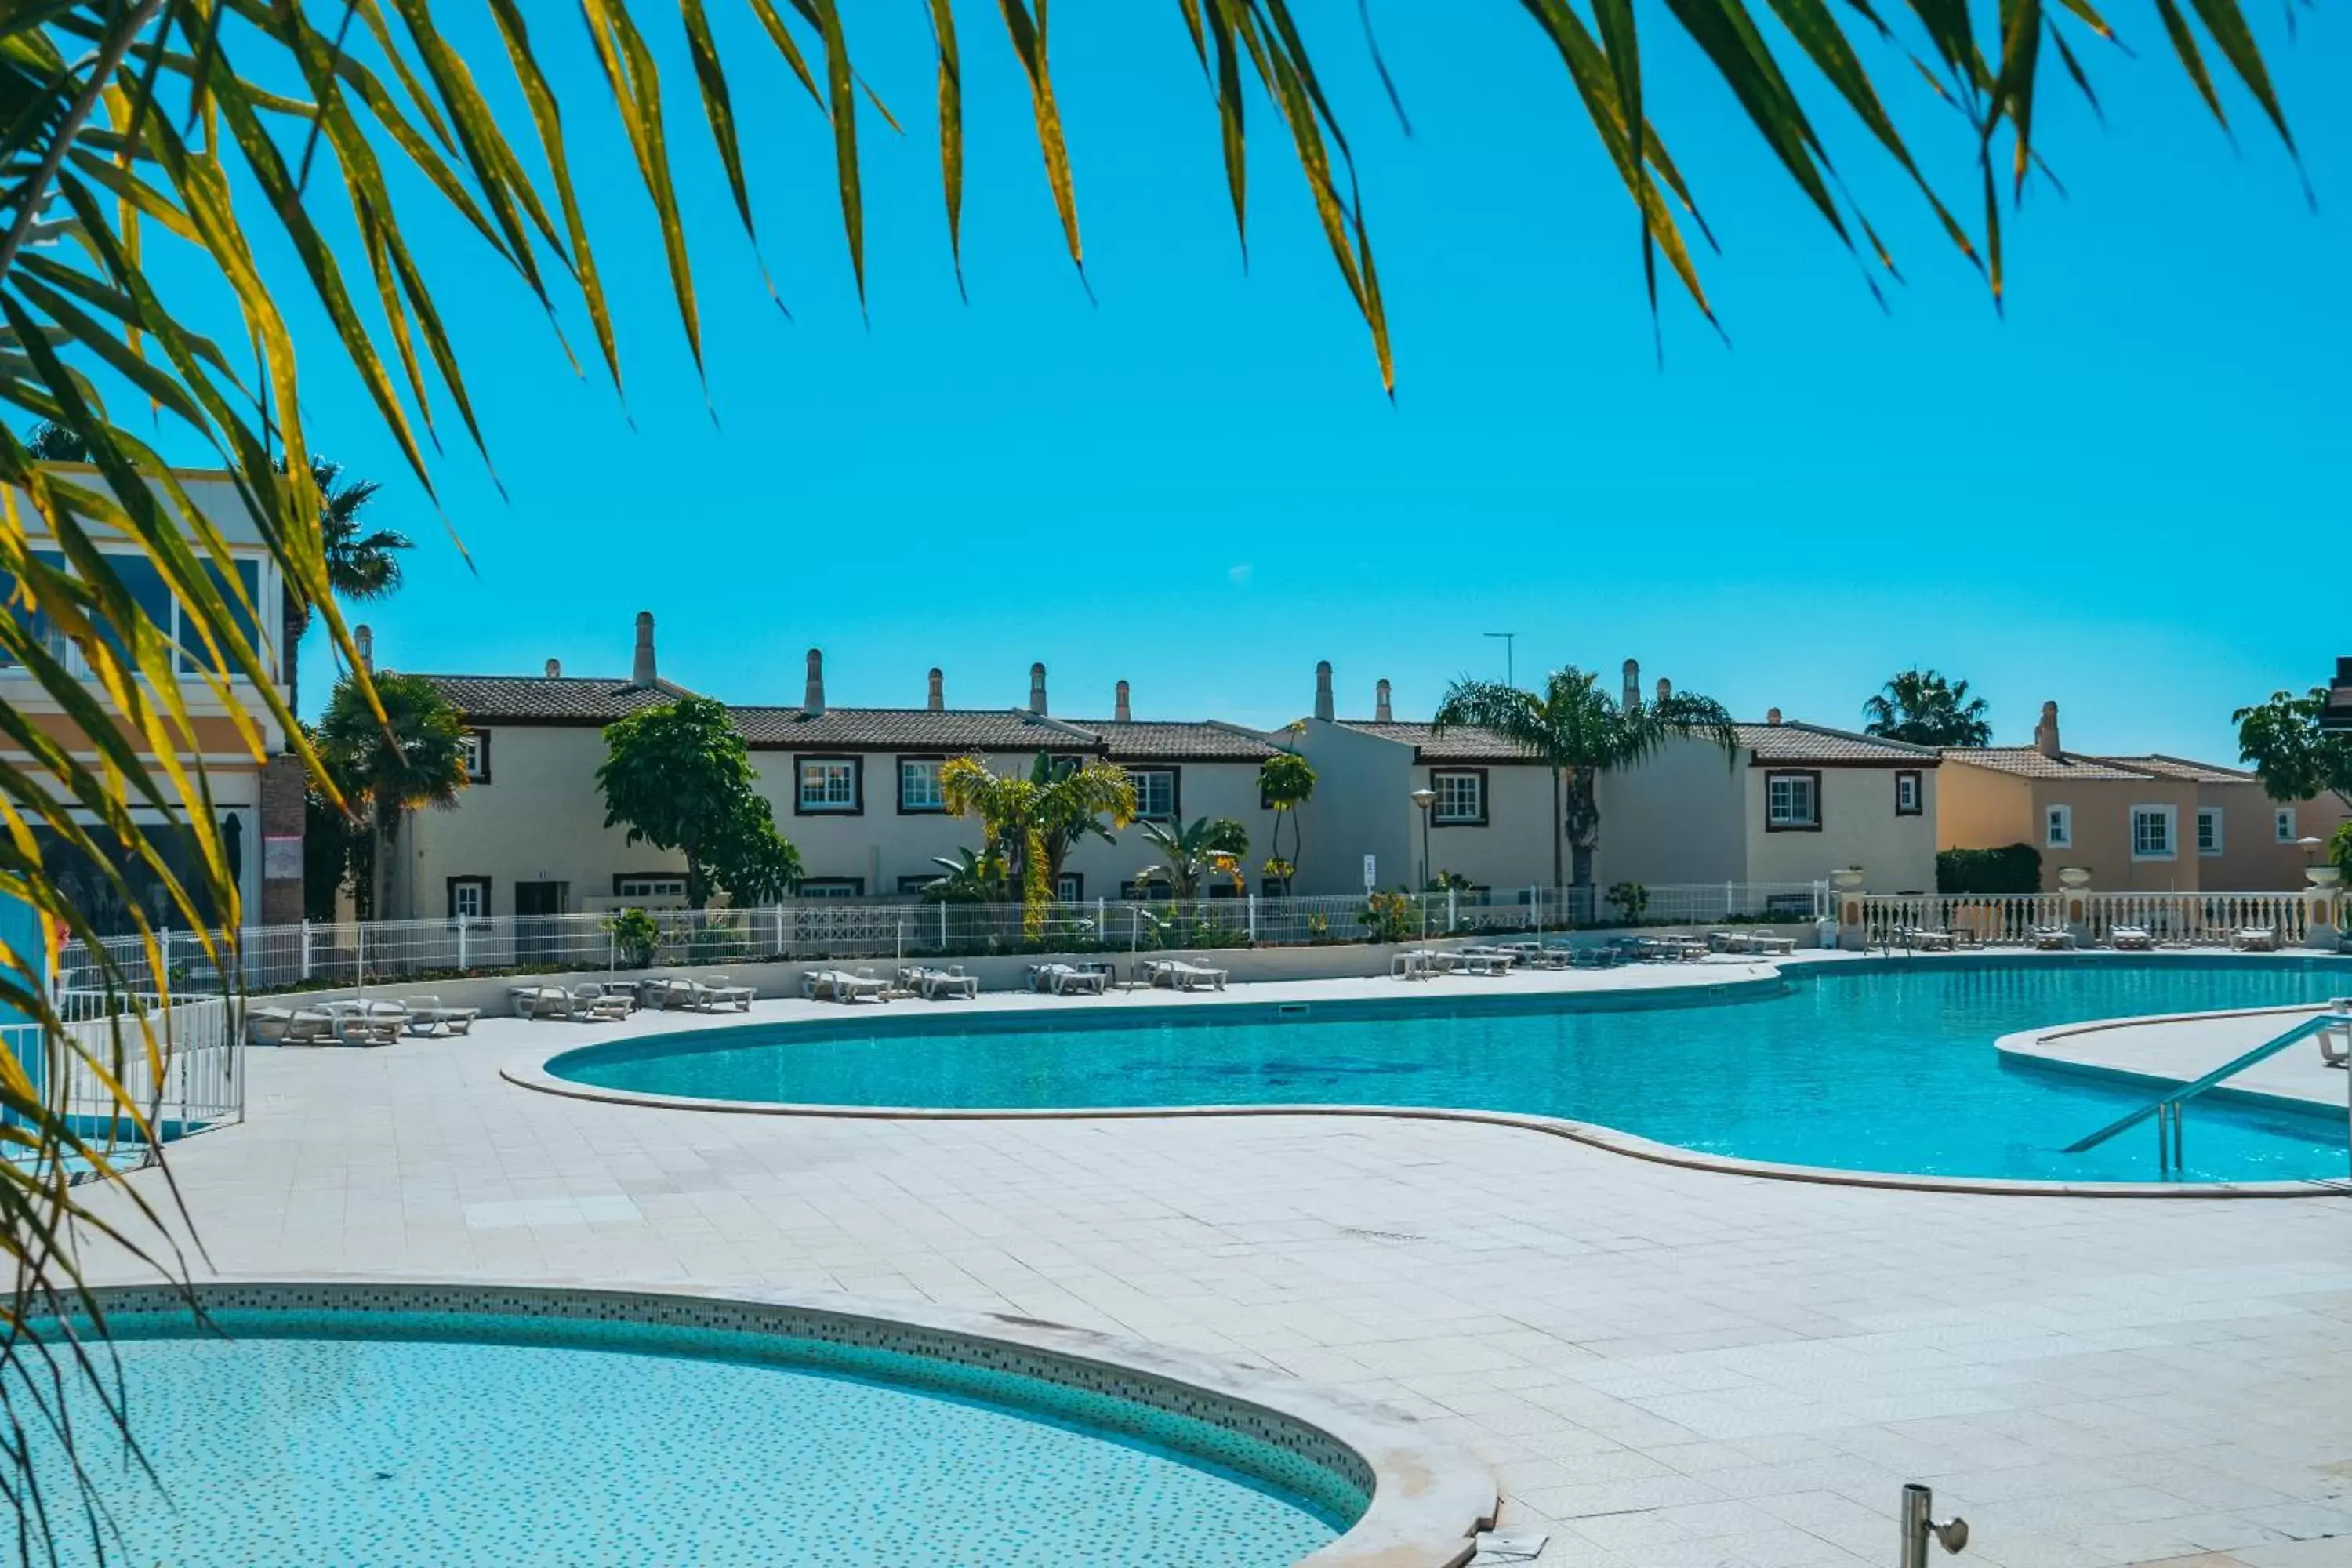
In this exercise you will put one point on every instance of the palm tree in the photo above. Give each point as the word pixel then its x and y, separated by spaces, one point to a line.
pixel 1286 781
pixel 1579 732
pixel 49 442
pixel 412 757
pixel 1923 708
pixel 969 877
pixel 1030 823
pixel 360 565
pixel 1206 848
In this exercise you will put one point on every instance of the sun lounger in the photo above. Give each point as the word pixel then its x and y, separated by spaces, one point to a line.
pixel 353 1021
pixel 1065 979
pixel 427 1015
pixel 1920 940
pixel 2052 937
pixel 931 984
pixel 1179 976
pixel 1767 946
pixel 2255 939
pixel 541 1001
pixel 595 1004
pixel 835 985
pixel 1414 964
pixel 2336 1040
pixel 2131 939
pixel 1731 941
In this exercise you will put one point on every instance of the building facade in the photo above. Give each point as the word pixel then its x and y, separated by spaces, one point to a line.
pixel 2144 824
pixel 256 800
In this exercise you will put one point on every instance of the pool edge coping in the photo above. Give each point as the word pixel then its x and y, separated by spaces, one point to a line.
pixel 1611 1139
pixel 1429 1497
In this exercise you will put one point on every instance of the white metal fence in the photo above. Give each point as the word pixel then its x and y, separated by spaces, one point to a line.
pixel 2194 920
pixel 193 1080
pixel 318 954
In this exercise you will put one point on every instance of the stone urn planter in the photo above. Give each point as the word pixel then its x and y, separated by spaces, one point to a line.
pixel 2324 875
pixel 1847 879
pixel 2073 878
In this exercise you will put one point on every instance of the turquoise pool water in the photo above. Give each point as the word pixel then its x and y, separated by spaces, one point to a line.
pixel 401 1440
pixel 1866 1066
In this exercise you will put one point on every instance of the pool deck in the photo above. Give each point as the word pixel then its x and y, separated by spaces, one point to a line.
pixel 2178 1049
pixel 1662 1366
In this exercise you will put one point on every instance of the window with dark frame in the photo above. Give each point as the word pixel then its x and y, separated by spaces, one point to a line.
pixel 833 887
pixel 919 785
pixel 1792 802
pixel 1461 797
pixel 654 885
pixel 828 784
pixel 469 898
pixel 1070 888
pixel 476 753
pixel 1155 793
pixel 1909 801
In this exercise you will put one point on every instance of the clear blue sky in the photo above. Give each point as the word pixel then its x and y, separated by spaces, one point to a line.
pixel 2128 495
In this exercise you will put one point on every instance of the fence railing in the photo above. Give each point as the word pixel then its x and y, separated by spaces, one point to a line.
pixel 194 1078
pixel 2194 920
pixel 343 955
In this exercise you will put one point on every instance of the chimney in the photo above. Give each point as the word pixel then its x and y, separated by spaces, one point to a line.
pixel 1037 689
pixel 939 700
pixel 1323 690
pixel 641 672
pixel 1771 716
pixel 554 668
pixel 1120 712
pixel 1632 698
pixel 812 695
pixel 1380 713
pixel 363 639
pixel 1665 689
pixel 2045 734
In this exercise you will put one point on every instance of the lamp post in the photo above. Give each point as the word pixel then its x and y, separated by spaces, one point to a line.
pixel 1510 644
pixel 1425 798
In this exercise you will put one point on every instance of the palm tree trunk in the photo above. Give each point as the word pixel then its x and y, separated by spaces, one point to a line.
pixel 1558 828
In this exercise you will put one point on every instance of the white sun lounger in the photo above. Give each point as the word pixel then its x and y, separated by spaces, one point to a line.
pixel 427 1015
pixel 2255 939
pixel 1063 980
pixel 841 985
pixel 2131 939
pixel 2051 937
pixel 595 1004
pixel 1415 963
pixel 931 984
pixel 1179 976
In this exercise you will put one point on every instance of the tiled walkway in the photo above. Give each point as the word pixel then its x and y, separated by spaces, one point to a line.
pixel 1664 1366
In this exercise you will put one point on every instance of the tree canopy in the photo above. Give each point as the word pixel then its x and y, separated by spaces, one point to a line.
pixel 679 778
pixel 1921 707
pixel 2294 757
pixel 1030 822
pixel 387 763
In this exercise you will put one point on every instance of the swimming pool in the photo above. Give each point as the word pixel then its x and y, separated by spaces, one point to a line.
pixel 325 1429
pixel 1883 1066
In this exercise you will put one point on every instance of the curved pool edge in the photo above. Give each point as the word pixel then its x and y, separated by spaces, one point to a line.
pixel 1428 1498
pixel 1611 1139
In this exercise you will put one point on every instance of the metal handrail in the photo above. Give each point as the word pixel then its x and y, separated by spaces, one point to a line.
pixel 2172 1099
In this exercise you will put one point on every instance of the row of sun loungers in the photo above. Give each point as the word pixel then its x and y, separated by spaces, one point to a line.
pixel 357 1022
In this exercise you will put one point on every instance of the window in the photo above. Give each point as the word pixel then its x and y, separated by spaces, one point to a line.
pixel 1160 887
pixel 1792 802
pixel 829 785
pixel 1907 801
pixel 1461 798
pixel 2152 832
pixel 656 885
pixel 1070 888
pixel 2058 827
pixel 2208 830
pixel 144 584
pixel 1155 793
pixel 2283 824
pixel 469 898
pixel 918 784
pixel 475 744
pixel 912 887
pixel 833 887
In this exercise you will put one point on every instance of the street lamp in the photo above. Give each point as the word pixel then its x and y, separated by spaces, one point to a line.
pixel 1425 798
pixel 1510 644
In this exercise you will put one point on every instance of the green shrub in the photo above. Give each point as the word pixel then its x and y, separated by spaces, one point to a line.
pixel 1631 899
pixel 635 936
pixel 2013 868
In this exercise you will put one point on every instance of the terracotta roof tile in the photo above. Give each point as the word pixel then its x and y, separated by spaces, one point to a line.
pixel 1456 743
pixel 1194 741
pixel 2025 762
pixel 549 699
pixel 2184 768
pixel 1795 742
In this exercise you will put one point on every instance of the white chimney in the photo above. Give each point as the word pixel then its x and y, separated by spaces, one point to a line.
pixel 641 671
pixel 1120 712
pixel 363 639
pixel 554 668
pixel 1633 694
pixel 1323 690
pixel 939 700
pixel 1380 713
pixel 1037 689
pixel 2045 734
pixel 812 695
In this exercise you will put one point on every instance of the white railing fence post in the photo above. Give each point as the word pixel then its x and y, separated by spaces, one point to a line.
pixel 360 928
pixel 463 957
pixel 1453 911
pixel 306 950
pixel 1252 919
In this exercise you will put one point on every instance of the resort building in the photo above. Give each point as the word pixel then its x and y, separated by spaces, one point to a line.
pixel 258 803
pixel 2140 824
pixel 1790 803
pixel 857 790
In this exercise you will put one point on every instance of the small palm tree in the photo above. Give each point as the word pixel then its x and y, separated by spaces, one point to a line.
pixel 414 756
pixel 1286 781
pixel 1923 708
pixel 968 877
pixel 1194 854
pixel 1031 823
pixel 1580 731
